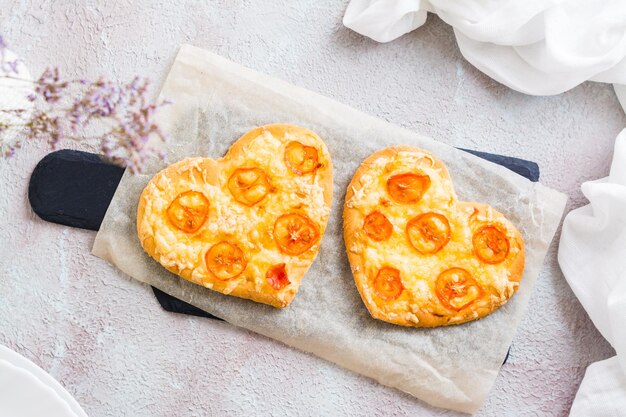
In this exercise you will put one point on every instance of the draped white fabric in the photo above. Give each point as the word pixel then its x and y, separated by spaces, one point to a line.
pixel 539 47
pixel 601 394
pixel 592 255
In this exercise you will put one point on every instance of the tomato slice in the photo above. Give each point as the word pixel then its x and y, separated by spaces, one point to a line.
pixel 249 185
pixel 225 260
pixel 277 277
pixel 387 283
pixel 188 211
pixel 428 232
pixel 408 188
pixel 301 159
pixel 456 288
pixel 377 226
pixel 490 244
pixel 295 233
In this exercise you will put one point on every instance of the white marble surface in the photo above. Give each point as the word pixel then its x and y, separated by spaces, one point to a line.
pixel 106 339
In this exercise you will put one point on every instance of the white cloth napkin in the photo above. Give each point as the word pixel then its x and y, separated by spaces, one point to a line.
pixel 620 92
pixel 539 47
pixel 592 255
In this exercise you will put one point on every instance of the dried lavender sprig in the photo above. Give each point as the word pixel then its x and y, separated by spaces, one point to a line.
pixel 133 135
pixel 7 67
pixel 49 86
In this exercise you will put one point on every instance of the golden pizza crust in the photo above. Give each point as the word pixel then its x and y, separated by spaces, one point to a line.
pixel 418 305
pixel 250 227
pixel 324 174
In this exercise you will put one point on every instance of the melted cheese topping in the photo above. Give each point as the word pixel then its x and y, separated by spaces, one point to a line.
pixel 251 227
pixel 419 272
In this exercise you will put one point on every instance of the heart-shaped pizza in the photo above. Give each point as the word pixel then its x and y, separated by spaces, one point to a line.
pixel 418 255
pixel 248 224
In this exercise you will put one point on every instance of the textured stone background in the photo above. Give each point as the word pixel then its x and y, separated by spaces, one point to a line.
pixel 106 339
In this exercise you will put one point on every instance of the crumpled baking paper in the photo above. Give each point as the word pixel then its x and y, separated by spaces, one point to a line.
pixel 215 102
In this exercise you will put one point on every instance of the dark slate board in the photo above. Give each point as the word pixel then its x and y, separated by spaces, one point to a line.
pixel 75 188
pixel 522 167
pixel 174 305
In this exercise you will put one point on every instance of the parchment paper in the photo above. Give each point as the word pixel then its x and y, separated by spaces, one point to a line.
pixel 215 102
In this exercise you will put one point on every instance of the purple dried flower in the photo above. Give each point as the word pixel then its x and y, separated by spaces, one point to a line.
pixel 100 99
pixel 7 67
pixel 43 125
pixel 8 149
pixel 137 89
pixel 49 85
pixel 11 66
pixel 133 137
pixel 129 142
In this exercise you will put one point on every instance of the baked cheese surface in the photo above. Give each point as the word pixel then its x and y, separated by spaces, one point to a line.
pixel 248 224
pixel 418 255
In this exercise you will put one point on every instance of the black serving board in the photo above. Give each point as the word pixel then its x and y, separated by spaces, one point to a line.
pixel 75 188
